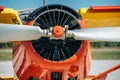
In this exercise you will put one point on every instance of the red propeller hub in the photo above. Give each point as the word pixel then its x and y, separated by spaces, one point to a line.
pixel 57 31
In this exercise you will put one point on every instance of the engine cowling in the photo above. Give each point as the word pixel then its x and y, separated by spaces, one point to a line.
pixel 52 59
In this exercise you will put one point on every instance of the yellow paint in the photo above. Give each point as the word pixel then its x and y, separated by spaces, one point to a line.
pixel 7 16
pixel 88 79
pixel 7 77
pixel 100 19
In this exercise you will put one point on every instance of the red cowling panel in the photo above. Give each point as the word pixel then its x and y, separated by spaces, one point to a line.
pixel 105 8
pixel 27 63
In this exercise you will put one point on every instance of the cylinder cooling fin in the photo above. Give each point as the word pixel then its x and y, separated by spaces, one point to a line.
pixel 49 16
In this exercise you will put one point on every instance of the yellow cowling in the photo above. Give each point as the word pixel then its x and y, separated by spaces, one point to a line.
pixel 8 15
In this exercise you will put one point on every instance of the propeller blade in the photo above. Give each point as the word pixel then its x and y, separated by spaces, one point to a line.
pixel 99 34
pixel 10 32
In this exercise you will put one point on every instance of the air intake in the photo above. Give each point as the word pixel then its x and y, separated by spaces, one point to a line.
pixel 50 16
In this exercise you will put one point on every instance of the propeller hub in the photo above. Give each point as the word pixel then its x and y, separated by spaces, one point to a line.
pixel 57 31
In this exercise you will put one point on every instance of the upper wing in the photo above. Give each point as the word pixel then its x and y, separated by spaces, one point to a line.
pixel 98 16
pixel 9 15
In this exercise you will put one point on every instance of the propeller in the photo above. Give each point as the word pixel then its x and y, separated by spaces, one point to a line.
pixel 13 32
pixel 99 34
pixel 10 32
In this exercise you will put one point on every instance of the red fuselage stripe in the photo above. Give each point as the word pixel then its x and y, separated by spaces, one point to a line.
pixel 105 8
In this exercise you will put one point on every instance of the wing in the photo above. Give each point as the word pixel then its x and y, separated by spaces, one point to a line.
pixel 9 15
pixel 98 16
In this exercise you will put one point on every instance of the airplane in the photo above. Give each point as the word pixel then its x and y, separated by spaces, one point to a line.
pixel 53 43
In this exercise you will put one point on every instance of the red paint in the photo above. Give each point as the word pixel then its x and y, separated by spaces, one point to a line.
pixel 30 23
pixel 105 8
pixel 57 31
pixel 74 68
pixel 1 8
pixel 82 23
pixel 103 74
pixel 27 63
